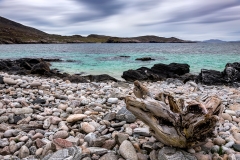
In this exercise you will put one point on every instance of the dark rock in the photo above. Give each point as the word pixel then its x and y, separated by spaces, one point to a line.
pixel 141 74
pixel 145 59
pixel 125 115
pixel 3 65
pixel 75 79
pixel 23 72
pixel 236 147
pixel 33 150
pixel 236 84
pixel 211 77
pixel 39 101
pixel 1 80
pixel 52 60
pixel 26 65
pixel 100 78
pixel 188 77
pixel 40 68
pixel 16 119
pixel 172 69
pixel 70 60
pixel 235 65
pixel 124 56
pixel 31 61
pixel 229 76
pixel 157 72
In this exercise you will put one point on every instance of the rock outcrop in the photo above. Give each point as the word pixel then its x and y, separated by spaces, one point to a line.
pixel 229 76
pixel 41 67
pixel 145 59
pixel 158 72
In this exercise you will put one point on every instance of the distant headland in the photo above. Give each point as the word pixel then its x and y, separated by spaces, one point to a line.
pixel 15 33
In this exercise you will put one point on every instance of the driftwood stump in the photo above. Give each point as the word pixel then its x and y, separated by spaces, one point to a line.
pixel 172 121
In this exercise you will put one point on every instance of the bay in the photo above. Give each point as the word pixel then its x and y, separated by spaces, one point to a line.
pixel 113 59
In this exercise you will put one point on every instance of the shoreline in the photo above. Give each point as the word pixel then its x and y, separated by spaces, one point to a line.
pixel 42 116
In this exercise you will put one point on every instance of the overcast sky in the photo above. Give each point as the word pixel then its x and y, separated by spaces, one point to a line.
pixel 185 19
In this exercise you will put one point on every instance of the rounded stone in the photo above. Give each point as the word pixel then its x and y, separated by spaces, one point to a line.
pixel 62 143
pixel 24 110
pixel 39 151
pixel 127 150
pixel 226 116
pixel 46 123
pixel 112 100
pixel 215 149
pixel 69 110
pixel 37 135
pixel 88 128
pixel 63 106
pixel 219 141
pixel 4 142
pixel 61 134
pixel 3 119
pixel 10 133
pixel 236 147
pixel 23 138
pixel 75 117
pixel 69 92
pixel 9 81
pixel 23 152
pixel 229 144
pixel 35 84
pixel 89 138
pixel 98 109
pixel 230 112
pixel 55 120
pixel 109 156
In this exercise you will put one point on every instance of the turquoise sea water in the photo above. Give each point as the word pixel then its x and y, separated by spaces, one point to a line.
pixel 106 58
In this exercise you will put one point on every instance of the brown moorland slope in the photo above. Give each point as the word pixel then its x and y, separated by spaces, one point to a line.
pixel 15 33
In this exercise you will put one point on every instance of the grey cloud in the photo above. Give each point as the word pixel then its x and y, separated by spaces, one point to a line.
pixel 198 14
pixel 103 8
pixel 199 19
pixel 218 20
pixel 146 5
pixel 199 11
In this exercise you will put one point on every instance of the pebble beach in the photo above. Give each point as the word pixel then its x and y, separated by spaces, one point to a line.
pixel 49 118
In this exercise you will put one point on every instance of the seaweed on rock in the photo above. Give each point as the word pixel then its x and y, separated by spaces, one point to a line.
pixel 172 121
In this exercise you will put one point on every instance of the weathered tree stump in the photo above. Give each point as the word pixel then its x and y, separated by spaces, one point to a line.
pixel 172 121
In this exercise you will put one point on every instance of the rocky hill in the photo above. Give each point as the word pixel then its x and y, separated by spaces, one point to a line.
pixel 15 33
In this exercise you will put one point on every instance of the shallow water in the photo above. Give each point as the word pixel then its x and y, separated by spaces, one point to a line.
pixel 107 58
